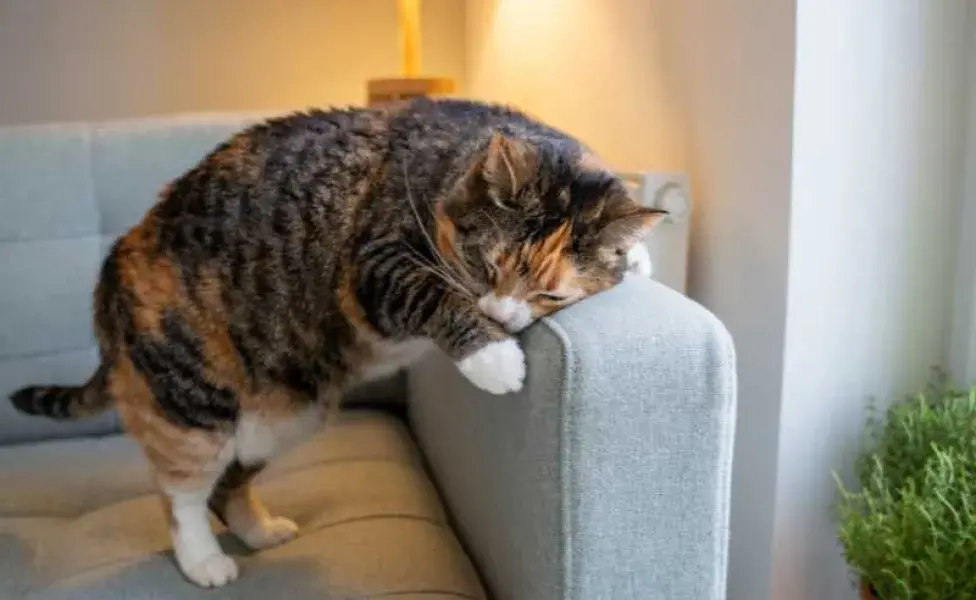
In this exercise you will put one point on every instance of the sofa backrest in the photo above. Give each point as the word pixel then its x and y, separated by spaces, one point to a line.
pixel 67 191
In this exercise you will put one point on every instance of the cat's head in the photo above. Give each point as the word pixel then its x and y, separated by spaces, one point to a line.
pixel 536 227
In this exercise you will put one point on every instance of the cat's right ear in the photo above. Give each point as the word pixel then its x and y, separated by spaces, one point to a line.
pixel 626 229
pixel 496 174
pixel 508 166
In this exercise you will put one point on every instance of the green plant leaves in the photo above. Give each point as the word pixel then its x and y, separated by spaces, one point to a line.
pixel 910 530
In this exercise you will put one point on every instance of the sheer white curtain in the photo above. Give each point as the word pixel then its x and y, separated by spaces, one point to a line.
pixel 962 337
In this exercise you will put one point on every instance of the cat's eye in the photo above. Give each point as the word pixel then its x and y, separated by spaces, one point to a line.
pixel 550 297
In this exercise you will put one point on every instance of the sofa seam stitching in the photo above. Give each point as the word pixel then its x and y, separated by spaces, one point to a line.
pixel 567 515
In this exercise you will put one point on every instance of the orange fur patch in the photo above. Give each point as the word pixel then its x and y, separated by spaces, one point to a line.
pixel 349 305
pixel 152 279
pixel 550 268
pixel 237 157
pixel 549 263
pixel 179 456
pixel 445 234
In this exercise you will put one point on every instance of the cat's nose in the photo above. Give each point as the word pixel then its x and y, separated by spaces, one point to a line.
pixel 499 309
pixel 508 311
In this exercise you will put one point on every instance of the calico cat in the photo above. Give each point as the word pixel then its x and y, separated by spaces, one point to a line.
pixel 314 250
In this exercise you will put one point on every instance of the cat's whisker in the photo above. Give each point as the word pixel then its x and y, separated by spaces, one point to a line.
pixel 430 242
pixel 447 278
pixel 494 223
pixel 418 260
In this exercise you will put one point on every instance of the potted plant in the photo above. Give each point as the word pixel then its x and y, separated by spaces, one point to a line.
pixel 909 530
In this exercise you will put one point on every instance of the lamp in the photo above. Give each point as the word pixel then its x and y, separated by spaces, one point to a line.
pixel 410 84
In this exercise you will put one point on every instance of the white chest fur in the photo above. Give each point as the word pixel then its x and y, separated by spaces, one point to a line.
pixel 261 436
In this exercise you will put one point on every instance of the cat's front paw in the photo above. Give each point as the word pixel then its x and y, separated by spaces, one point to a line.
pixel 639 260
pixel 498 368
pixel 214 571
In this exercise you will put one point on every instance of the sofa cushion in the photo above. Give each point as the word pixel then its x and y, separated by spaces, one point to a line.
pixel 79 519
pixel 66 192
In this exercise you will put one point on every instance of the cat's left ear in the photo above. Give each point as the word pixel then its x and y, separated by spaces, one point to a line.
pixel 624 230
pixel 509 165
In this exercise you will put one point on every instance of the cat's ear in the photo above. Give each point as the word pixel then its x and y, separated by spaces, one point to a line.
pixel 508 166
pixel 626 228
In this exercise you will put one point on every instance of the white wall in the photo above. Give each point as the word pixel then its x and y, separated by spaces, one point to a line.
pixel 92 59
pixel 592 67
pixel 732 63
pixel 877 171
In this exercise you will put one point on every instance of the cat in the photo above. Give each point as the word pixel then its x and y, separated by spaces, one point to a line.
pixel 316 249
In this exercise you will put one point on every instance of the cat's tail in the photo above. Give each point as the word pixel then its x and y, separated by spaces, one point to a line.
pixel 64 402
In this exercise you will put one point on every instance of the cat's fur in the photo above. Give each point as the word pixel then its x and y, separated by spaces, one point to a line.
pixel 308 252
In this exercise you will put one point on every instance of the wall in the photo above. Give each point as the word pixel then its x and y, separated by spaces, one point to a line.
pixel 68 60
pixel 592 67
pixel 877 171
pixel 732 63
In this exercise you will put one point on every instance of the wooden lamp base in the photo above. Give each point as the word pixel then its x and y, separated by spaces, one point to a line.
pixel 385 91
pixel 410 84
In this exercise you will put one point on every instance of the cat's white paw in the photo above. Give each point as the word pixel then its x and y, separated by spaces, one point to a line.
pixel 639 260
pixel 498 368
pixel 274 531
pixel 214 571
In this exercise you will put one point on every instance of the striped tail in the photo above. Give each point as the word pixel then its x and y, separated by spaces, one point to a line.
pixel 63 402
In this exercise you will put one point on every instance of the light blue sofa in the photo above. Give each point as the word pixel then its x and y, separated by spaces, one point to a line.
pixel 606 478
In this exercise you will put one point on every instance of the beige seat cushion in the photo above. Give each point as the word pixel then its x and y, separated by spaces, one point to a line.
pixel 79 520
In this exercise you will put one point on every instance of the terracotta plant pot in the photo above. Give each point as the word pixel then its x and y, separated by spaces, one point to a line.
pixel 867 593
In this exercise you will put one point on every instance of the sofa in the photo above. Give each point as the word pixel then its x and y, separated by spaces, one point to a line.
pixel 606 477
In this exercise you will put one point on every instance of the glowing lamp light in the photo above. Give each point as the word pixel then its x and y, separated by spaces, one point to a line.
pixel 410 84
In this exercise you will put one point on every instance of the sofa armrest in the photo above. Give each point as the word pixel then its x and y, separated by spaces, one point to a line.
pixel 608 476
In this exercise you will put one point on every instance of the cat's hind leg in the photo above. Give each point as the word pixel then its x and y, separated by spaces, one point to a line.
pixel 236 504
pixel 272 421
pixel 187 464
pixel 196 549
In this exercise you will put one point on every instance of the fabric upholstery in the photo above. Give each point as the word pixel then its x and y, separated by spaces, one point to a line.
pixel 71 366
pixel 79 520
pixel 608 476
pixel 66 192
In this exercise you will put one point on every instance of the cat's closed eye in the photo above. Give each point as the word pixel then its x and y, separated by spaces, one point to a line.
pixel 550 297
